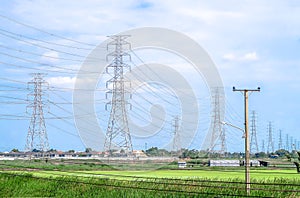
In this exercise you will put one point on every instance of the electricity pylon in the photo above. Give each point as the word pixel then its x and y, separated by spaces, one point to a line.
pixel 176 137
pixel 280 141
pixel 270 138
pixel 118 135
pixel 287 146
pixel 263 146
pixel 217 132
pixel 223 142
pixel 253 139
pixel 37 135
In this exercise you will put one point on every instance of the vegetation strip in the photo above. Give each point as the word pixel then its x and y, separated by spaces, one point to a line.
pixel 135 185
pixel 120 186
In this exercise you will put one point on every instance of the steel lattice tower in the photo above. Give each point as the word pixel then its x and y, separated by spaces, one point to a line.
pixel 176 137
pixel 118 134
pixel 223 141
pixel 291 143
pixel 37 134
pixel 270 138
pixel 287 146
pixel 218 134
pixel 280 141
pixel 263 146
pixel 253 137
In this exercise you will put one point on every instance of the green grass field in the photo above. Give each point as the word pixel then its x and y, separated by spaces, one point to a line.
pixel 214 174
pixel 256 174
pixel 18 179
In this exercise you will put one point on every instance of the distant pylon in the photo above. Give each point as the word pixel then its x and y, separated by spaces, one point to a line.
pixel 37 135
pixel 295 144
pixel 217 126
pixel 263 146
pixel 253 139
pixel 118 135
pixel 176 137
pixel 287 145
pixel 223 141
pixel 280 141
pixel 270 139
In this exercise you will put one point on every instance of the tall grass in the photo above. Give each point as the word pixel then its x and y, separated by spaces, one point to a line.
pixel 49 182
pixel 22 185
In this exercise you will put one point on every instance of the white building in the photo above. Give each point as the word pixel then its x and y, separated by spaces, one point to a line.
pixel 224 162
pixel 181 164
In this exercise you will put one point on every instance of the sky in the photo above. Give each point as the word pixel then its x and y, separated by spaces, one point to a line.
pixel 252 43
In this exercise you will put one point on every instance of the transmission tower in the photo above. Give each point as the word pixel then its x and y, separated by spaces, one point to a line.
pixel 287 145
pixel 280 141
pixel 223 141
pixel 263 146
pixel 37 134
pixel 217 133
pixel 118 135
pixel 176 137
pixel 270 138
pixel 253 139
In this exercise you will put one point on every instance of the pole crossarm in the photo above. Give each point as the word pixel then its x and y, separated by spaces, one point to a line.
pixel 246 90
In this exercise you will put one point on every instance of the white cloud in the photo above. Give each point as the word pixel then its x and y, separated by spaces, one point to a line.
pixel 62 81
pixel 50 56
pixel 250 56
pixel 229 57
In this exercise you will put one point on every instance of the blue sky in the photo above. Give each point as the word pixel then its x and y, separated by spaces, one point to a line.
pixel 253 43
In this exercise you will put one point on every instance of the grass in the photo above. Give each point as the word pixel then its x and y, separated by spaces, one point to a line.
pixel 215 174
pixel 58 184
pixel 93 179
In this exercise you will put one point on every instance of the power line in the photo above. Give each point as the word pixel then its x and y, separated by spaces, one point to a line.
pixel 41 46
pixel 43 31
pixel 39 55
pixel 43 41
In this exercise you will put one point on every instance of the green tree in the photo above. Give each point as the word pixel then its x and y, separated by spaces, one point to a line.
pixel 52 150
pixel 281 152
pixel 297 162
pixel 153 151
pixel 289 157
pixel 14 150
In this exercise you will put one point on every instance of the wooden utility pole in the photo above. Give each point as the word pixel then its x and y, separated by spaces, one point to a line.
pixel 247 140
